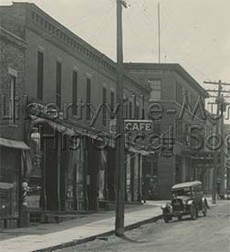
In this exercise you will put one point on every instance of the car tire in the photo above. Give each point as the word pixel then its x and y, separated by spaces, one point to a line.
pixel 166 217
pixel 197 213
pixel 193 212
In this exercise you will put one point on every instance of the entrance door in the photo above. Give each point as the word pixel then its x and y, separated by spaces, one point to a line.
pixel 50 153
pixel 92 176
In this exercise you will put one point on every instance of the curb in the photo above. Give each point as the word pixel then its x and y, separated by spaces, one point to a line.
pixel 91 238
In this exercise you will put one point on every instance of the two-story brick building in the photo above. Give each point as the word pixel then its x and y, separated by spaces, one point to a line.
pixel 176 106
pixel 71 92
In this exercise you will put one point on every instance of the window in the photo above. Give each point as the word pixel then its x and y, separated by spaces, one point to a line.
pixel 155 89
pixel 133 107
pixel 130 110
pixel 58 83
pixel 12 97
pixel 178 92
pixel 137 111
pixel 88 98
pixel 74 92
pixel 125 107
pixel 4 107
pixel 179 130
pixel 13 75
pixel 104 100
pixel 112 103
pixel 40 75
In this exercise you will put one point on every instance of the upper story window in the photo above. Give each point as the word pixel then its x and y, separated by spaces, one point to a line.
pixel 58 83
pixel 137 110
pixel 74 91
pixel 179 130
pixel 125 107
pixel 104 101
pixel 155 89
pixel 88 98
pixel 40 74
pixel 179 94
pixel 13 75
pixel 112 103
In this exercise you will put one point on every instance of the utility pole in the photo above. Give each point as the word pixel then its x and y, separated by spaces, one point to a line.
pixel 159 34
pixel 219 132
pixel 120 142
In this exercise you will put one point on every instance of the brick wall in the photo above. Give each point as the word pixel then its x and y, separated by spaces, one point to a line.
pixel 12 55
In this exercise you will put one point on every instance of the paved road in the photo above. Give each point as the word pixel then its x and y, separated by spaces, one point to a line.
pixel 206 234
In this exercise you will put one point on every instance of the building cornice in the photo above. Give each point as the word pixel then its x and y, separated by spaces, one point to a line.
pixel 12 38
pixel 177 68
pixel 51 30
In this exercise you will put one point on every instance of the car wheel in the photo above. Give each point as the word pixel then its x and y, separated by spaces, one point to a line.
pixel 197 213
pixel 166 217
pixel 193 212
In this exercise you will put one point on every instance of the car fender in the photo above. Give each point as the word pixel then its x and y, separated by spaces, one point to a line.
pixel 166 206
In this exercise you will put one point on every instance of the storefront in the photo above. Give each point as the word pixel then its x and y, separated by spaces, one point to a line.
pixel 56 177
pixel 13 167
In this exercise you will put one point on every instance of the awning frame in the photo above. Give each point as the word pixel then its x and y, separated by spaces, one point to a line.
pixel 9 143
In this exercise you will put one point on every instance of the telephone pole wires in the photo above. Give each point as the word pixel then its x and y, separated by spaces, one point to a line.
pixel 219 168
pixel 120 142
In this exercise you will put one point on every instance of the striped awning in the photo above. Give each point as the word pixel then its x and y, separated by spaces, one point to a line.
pixel 13 144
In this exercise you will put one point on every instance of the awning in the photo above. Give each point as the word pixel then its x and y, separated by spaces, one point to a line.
pixel 13 144
pixel 60 127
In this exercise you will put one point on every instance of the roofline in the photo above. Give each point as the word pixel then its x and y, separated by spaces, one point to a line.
pixel 186 184
pixel 127 75
pixel 19 41
pixel 167 66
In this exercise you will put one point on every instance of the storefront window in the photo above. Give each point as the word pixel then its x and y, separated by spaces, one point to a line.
pixel 9 170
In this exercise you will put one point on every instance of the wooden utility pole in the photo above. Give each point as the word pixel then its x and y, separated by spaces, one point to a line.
pixel 219 131
pixel 120 142
pixel 159 34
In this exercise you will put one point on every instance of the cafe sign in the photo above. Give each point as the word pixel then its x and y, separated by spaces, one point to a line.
pixel 133 125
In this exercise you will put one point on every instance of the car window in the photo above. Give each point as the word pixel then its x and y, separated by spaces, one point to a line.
pixel 182 192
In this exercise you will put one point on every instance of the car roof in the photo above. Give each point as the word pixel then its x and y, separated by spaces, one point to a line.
pixel 186 184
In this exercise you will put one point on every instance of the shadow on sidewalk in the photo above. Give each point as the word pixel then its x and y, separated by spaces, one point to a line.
pixel 81 220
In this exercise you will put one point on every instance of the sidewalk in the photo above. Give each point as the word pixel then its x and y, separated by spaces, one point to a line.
pixel 48 237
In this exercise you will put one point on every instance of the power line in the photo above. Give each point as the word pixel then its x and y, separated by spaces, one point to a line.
pixel 219 130
pixel 101 27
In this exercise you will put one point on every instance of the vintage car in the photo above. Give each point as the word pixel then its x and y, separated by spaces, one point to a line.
pixel 187 199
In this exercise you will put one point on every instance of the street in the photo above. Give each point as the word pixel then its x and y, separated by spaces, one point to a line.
pixel 210 233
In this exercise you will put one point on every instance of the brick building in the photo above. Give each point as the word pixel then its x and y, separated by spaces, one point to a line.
pixel 173 97
pixel 13 150
pixel 67 82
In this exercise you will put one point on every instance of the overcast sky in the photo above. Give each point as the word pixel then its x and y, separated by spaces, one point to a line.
pixel 194 33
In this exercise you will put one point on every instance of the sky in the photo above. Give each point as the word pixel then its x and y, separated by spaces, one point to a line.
pixel 193 33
